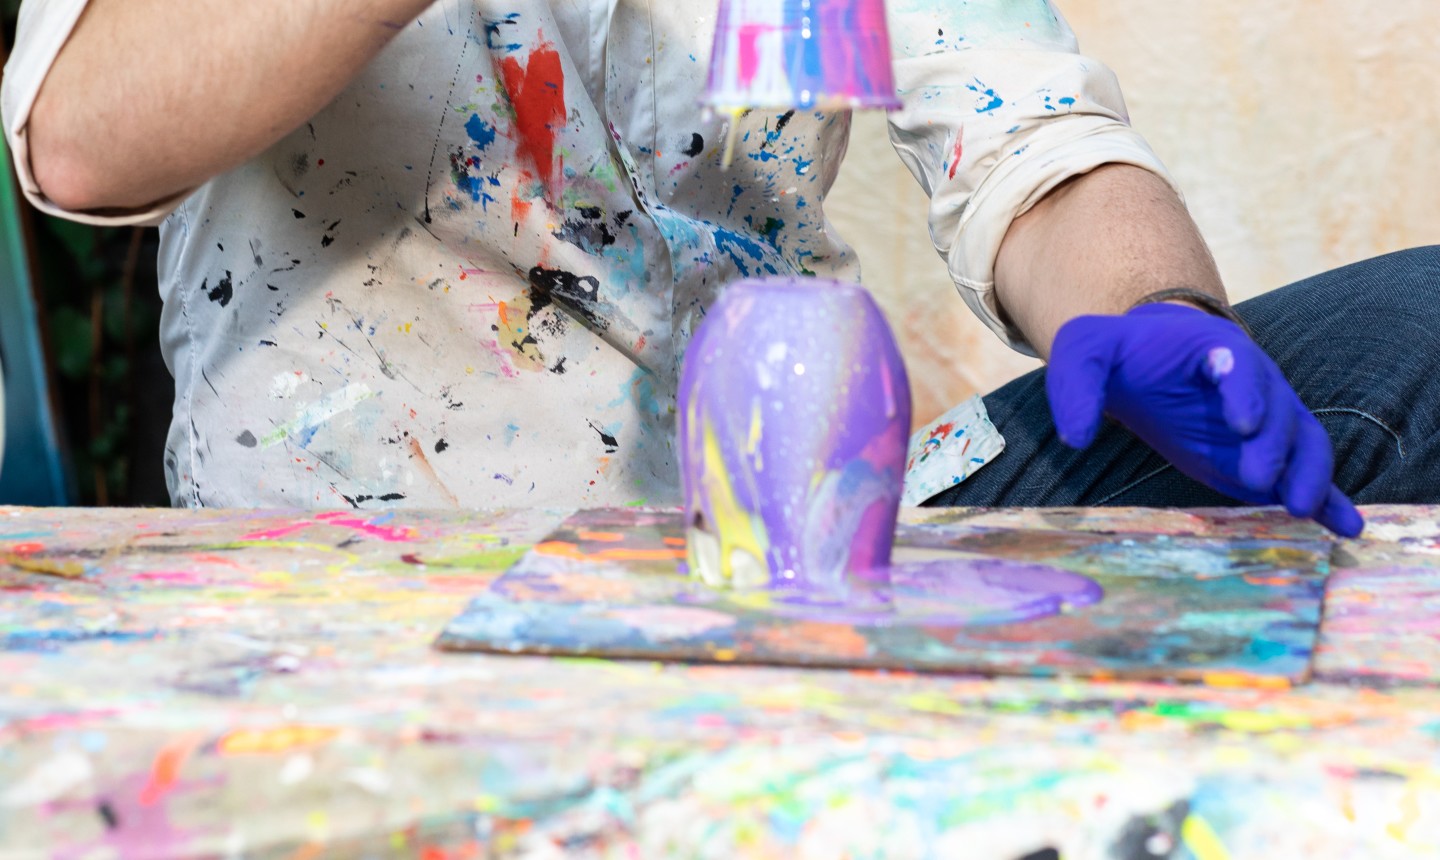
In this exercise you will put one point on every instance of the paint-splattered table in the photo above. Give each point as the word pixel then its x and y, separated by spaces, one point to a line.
pixel 257 684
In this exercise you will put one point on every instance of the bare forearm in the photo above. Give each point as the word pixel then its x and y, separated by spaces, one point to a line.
pixel 152 97
pixel 1096 245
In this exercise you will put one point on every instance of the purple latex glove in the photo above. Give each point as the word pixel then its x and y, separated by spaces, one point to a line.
pixel 1207 398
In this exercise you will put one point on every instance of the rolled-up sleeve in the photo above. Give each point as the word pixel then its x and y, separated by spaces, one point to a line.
pixel 42 30
pixel 1000 108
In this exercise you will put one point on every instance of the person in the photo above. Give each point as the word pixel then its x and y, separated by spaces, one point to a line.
pixel 450 253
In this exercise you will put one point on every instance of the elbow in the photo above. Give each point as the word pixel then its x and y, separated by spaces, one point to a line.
pixel 67 176
pixel 63 177
pixel 62 181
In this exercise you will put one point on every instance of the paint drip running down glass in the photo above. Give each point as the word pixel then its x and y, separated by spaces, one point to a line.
pixel 794 424
pixel 828 55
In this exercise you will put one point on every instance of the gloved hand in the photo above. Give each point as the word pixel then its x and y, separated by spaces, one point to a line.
pixel 1207 398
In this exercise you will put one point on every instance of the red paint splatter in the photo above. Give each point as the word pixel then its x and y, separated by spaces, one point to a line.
pixel 959 152
pixel 519 209
pixel 537 93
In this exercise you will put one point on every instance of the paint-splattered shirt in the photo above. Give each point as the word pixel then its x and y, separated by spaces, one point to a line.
pixel 470 279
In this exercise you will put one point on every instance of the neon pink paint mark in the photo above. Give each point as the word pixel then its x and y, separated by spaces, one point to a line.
pixel 174 577
pixel 507 367
pixel 336 518
pixel 389 534
pixel 537 93
pixel 276 533
pixel 749 36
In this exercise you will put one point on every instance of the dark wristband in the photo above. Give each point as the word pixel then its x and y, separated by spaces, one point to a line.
pixel 1206 302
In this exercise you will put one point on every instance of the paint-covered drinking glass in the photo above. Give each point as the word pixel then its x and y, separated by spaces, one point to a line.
pixel 794 420
pixel 826 54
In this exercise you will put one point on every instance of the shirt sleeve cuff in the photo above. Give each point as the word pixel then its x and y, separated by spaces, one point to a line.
pixel 41 31
pixel 1071 147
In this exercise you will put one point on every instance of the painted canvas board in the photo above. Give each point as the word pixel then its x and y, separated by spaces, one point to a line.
pixel 1382 616
pixel 963 598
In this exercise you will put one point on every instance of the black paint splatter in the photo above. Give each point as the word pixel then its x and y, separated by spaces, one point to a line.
pixel 441 446
pixel 611 443
pixel 588 234
pixel 108 815
pixel 357 501
pixel 298 214
pixel 559 368
pixel 577 293
pixel 1147 837
pixel 247 439
pixel 223 292
pixel 697 146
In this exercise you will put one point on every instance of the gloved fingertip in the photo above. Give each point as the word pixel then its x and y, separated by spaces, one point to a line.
pixel 1077 434
pixel 1077 414
pixel 1305 498
pixel 1340 515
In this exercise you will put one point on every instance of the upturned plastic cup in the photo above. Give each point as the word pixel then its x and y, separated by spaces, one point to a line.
pixel 794 422
pixel 826 54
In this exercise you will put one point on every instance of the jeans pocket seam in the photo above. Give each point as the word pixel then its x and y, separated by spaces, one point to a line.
pixel 1360 413
pixel 1132 485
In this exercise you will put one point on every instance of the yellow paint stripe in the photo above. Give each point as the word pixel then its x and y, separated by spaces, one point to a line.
pixel 1202 840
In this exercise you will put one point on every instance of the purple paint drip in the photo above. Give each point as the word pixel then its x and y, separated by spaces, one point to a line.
pixel 794 424
pixel 963 592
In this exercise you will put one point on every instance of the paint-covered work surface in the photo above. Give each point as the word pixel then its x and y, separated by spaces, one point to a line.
pixel 1012 600
pixel 250 684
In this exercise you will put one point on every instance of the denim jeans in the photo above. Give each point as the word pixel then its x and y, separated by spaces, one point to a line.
pixel 1361 346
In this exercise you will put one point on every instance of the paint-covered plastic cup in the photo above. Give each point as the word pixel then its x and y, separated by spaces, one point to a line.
pixel 780 54
pixel 794 422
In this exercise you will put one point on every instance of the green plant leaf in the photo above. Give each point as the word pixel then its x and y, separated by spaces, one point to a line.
pixel 70 341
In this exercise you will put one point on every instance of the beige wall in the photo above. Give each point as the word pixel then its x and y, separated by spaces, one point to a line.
pixel 1306 134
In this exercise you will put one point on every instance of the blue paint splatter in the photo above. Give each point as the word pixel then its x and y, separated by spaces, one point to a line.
pixel 995 100
pixel 744 252
pixel 480 131
pixel 49 641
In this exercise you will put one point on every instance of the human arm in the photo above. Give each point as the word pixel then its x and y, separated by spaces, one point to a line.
pixel 1054 218
pixel 1193 386
pixel 148 99
pixel 1096 245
